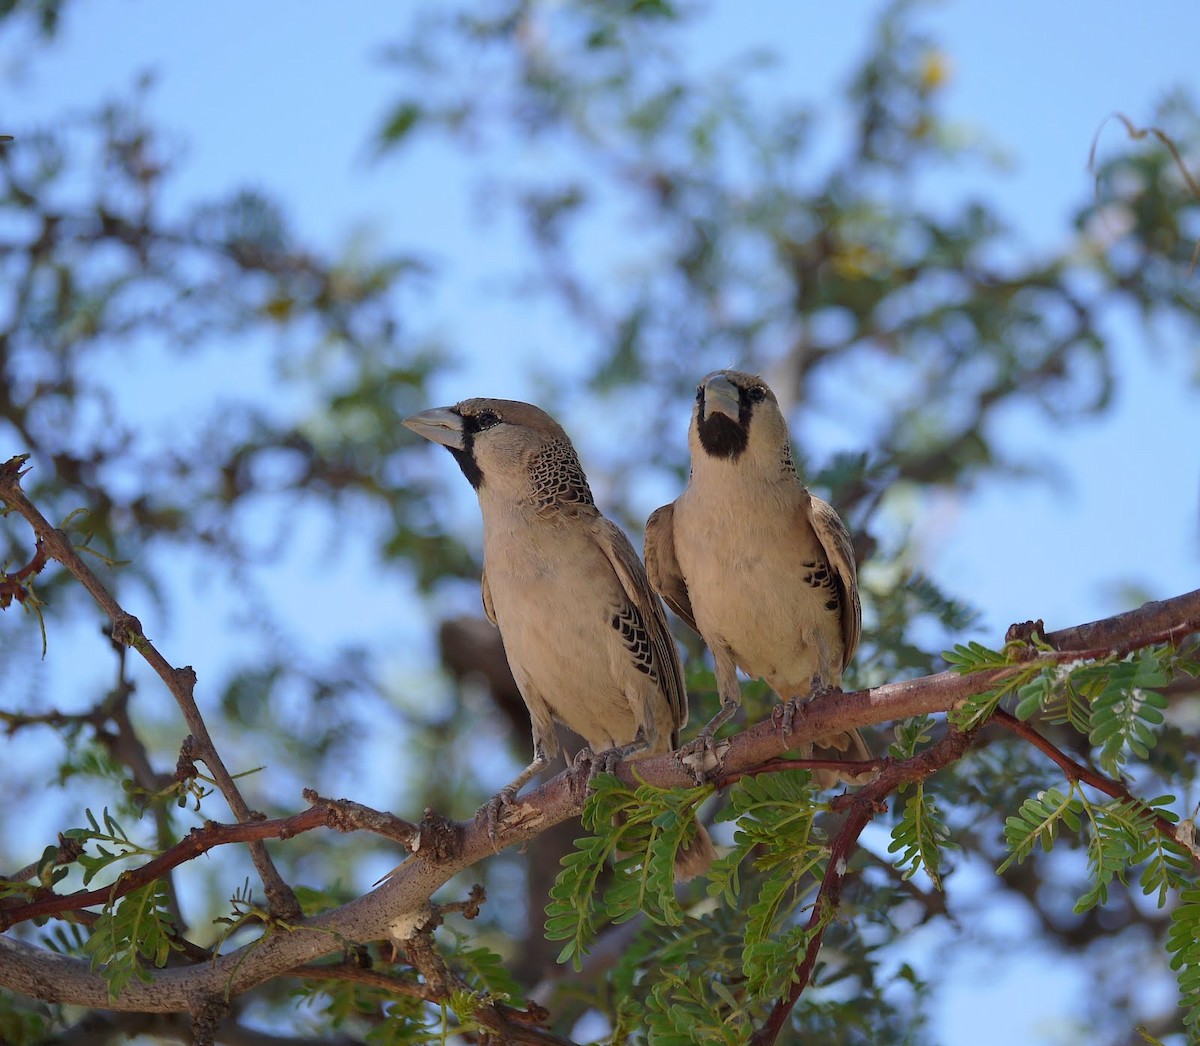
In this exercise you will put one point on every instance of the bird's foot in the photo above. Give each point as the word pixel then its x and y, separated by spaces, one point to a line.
pixel 702 755
pixel 783 715
pixel 588 765
pixel 495 812
pixel 822 689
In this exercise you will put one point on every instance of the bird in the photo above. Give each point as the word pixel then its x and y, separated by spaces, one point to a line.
pixel 757 565
pixel 585 635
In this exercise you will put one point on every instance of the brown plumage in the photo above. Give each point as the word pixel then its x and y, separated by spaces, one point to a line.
pixel 585 635
pixel 752 561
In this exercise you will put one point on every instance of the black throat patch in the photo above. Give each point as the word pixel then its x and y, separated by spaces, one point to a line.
pixel 722 437
pixel 466 456
pixel 466 462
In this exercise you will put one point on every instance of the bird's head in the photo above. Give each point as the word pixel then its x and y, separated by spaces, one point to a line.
pixel 737 416
pixel 509 447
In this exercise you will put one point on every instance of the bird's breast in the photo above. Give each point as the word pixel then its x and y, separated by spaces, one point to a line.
pixel 758 581
pixel 566 625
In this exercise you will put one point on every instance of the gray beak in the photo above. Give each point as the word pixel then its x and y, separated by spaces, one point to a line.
pixel 720 397
pixel 439 425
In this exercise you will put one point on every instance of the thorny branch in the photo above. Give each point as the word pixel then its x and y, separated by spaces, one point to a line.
pixel 339 814
pixel 440 849
pixel 127 631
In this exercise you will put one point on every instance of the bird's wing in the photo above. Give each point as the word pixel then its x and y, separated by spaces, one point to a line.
pixel 839 551
pixel 664 658
pixel 663 567
pixel 486 593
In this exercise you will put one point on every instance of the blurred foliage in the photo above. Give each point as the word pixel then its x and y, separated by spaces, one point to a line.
pixel 742 236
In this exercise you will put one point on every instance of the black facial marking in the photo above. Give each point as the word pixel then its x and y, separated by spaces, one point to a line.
pixel 723 437
pixel 466 462
pixel 473 423
pixel 720 435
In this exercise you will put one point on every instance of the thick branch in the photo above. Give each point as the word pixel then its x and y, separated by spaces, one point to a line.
pixel 1159 621
pixel 446 848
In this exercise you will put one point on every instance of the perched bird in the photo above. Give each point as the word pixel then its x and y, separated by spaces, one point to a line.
pixel 585 635
pixel 753 562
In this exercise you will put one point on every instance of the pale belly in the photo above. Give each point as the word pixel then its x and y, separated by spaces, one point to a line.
pixel 564 652
pixel 758 600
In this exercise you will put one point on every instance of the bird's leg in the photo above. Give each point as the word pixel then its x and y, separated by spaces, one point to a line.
pixel 785 713
pixel 508 794
pixel 700 754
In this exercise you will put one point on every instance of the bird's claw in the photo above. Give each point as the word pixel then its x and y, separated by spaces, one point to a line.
pixel 823 689
pixel 595 763
pixel 495 813
pixel 702 756
pixel 783 715
pixel 583 761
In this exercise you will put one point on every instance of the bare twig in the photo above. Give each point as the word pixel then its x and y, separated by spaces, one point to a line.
pixel 181 682
pixel 348 816
pixel 324 813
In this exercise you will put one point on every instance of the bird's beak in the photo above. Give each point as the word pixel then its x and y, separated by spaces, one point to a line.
pixel 721 397
pixel 440 424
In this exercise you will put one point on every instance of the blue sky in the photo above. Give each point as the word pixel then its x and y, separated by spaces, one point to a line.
pixel 285 96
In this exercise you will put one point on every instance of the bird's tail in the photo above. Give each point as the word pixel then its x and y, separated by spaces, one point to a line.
pixel 695 858
pixel 849 746
pixel 691 860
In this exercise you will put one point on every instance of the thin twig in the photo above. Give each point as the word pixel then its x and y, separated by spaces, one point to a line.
pixel 863 806
pixel 324 813
pixel 127 631
pixel 1078 772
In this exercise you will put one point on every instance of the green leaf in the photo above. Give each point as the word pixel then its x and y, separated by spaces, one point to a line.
pixel 647 827
pixel 682 1012
pixel 974 657
pixel 1183 946
pixel 1033 696
pixel 571 913
pixel 113 833
pixel 139 928
pixel 911 735
pixel 400 122
pixel 1038 821
pixel 919 834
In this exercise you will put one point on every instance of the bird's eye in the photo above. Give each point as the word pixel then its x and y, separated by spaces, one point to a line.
pixel 699 393
pixel 757 393
pixel 485 419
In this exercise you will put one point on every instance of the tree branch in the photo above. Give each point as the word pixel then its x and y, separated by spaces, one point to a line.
pixel 863 806
pixel 1078 772
pixel 445 848
pixel 181 682
pixel 340 814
